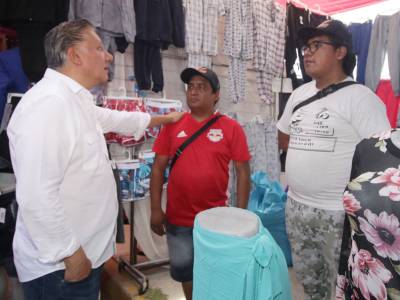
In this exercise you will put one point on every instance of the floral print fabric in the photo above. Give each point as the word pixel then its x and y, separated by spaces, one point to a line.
pixel 370 256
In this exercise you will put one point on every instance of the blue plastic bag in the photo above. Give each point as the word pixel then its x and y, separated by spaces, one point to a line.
pixel 268 201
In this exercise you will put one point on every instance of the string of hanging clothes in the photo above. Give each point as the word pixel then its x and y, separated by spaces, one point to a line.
pixel 372 42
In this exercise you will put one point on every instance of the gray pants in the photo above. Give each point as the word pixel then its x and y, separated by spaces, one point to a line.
pixel 315 236
pixel 384 37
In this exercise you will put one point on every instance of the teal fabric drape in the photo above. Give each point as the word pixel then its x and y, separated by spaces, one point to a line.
pixel 236 268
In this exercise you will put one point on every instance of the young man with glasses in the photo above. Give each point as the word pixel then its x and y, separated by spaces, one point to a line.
pixel 320 138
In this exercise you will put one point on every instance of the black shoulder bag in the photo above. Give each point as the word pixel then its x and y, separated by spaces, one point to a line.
pixel 323 93
pixel 191 139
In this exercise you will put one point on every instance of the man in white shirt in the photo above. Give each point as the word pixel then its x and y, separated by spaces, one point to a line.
pixel 65 186
pixel 320 138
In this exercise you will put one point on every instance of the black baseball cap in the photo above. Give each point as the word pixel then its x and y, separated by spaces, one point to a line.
pixel 333 28
pixel 208 74
pixel 340 35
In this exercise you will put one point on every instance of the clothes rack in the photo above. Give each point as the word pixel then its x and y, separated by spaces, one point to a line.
pixel 131 265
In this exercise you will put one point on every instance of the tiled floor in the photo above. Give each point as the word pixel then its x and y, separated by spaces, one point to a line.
pixel 159 278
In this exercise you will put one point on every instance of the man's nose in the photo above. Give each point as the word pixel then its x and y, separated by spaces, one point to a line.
pixel 109 57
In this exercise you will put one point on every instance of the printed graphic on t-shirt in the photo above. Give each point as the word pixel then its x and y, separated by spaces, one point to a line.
pixel 215 135
pixel 312 132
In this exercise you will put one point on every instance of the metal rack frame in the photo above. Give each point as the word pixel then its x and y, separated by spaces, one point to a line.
pixel 132 267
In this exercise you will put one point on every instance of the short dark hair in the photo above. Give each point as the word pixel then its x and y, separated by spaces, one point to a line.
pixel 349 61
pixel 60 38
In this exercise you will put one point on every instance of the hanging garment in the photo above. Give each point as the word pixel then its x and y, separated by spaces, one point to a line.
pixel 264 85
pixel 296 19
pixel 158 24
pixel 160 21
pixel 199 60
pixel 148 66
pixel 384 38
pixel 255 268
pixel 237 79
pixel 112 19
pixel 160 107
pixel 262 140
pixel 385 92
pixel 201 24
pixel 178 23
pixel 124 104
pixel 269 45
pixel 361 35
pixel 115 17
pixel 238 45
pixel 152 245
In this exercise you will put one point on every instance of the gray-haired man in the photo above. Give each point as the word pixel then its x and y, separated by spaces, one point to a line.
pixel 65 186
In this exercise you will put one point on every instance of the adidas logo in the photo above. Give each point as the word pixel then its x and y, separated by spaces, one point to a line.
pixel 182 134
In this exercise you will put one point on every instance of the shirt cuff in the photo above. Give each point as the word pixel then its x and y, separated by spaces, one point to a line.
pixel 54 256
pixel 141 127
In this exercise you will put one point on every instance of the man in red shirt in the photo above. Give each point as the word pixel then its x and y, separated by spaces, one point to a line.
pixel 199 178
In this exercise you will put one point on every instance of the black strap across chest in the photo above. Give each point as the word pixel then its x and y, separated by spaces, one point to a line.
pixel 323 93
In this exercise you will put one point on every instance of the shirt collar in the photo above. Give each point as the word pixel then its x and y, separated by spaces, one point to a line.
pixel 73 85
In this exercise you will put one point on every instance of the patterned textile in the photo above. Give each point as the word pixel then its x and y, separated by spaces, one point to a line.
pixel 369 265
pixel 264 81
pixel 262 139
pixel 314 235
pixel 269 44
pixel 124 104
pixel 238 39
pixel 201 18
pixel 199 60
pixel 160 107
pixel 238 45
pixel 237 79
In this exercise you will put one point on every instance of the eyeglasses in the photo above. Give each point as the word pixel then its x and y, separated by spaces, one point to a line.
pixel 314 46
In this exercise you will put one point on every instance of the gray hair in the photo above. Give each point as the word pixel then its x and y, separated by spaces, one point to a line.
pixel 60 38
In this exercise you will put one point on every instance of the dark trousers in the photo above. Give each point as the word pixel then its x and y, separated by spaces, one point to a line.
pixel 53 287
pixel 147 66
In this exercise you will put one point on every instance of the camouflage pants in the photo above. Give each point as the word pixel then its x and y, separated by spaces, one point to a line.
pixel 315 236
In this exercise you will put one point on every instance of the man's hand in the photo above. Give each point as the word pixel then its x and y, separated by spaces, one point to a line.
pixel 165 119
pixel 77 266
pixel 157 222
pixel 175 116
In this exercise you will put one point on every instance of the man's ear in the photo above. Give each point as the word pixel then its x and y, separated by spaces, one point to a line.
pixel 73 55
pixel 341 52
pixel 216 97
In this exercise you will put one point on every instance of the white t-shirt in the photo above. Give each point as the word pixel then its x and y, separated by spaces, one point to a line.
pixel 323 137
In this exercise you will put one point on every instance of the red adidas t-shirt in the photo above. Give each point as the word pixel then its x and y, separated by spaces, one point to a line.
pixel 199 179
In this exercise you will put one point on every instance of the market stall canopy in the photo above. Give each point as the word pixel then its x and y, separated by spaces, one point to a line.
pixel 330 7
